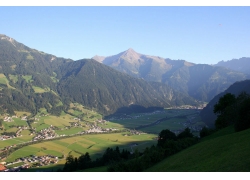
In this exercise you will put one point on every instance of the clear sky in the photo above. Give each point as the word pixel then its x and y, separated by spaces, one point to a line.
pixel 198 34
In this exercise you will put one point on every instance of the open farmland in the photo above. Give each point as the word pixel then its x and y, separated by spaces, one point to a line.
pixel 173 119
pixel 95 144
pixel 138 128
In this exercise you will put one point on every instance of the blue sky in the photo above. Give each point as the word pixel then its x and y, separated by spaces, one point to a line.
pixel 199 34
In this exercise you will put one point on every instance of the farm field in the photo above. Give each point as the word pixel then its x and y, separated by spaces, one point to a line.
pixel 79 119
pixel 95 144
pixel 175 120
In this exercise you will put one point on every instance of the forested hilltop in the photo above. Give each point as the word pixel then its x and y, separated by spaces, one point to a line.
pixel 31 79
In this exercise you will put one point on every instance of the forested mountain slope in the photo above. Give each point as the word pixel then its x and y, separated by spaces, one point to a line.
pixel 31 79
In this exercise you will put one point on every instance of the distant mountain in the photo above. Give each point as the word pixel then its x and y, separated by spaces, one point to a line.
pixel 207 114
pixel 31 79
pixel 241 65
pixel 201 81
pixel 105 89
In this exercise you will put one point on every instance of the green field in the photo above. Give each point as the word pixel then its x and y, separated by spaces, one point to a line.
pixel 13 78
pixel 224 151
pixel 45 121
pixel 95 144
pixel 5 81
pixel 73 130
pixel 28 78
pixel 13 125
pixel 39 89
pixel 175 121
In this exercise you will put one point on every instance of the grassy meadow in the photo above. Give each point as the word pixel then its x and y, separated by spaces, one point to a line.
pixel 95 144
pixel 223 151
pixel 4 81
pixel 176 119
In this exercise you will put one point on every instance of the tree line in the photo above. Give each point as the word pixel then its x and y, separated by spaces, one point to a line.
pixel 124 161
pixel 233 110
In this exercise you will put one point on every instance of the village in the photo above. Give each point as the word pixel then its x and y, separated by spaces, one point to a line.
pixel 93 127
pixel 28 162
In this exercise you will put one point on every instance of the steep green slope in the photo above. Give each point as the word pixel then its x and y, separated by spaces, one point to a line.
pixel 28 80
pixel 223 153
pixel 104 89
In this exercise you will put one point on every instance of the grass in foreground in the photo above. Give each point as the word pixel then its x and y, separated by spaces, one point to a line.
pixel 225 153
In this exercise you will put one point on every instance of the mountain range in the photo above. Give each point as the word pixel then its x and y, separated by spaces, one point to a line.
pixel 200 81
pixel 31 80
pixel 241 64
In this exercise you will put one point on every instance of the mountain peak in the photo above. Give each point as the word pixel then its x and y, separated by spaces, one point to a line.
pixel 130 55
pixel 98 58
pixel 11 40
pixel 130 51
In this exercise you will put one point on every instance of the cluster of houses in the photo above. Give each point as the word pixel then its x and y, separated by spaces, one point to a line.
pixel 133 132
pixel 96 129
pixel 20 129
pixel 4 137
pixel 47 133
pixel 102 121
pixel 75 124
pixel 30 161
pixel 18 133
pixel 8 119
pixel 189 107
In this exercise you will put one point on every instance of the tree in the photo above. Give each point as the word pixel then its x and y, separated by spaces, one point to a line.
pixel 1 122
pixel 234 111
pixel 226 111
pixel 243 122
pixel 70 164
pixel 164 136
pixel 84 161
pixel 205 132
pixel 184 134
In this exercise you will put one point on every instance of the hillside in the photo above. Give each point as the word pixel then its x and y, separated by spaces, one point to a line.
pixel 106 90
pixel 27 78
pixel 31 80
pixel 201 81
pixel 207 114
pixel 223 153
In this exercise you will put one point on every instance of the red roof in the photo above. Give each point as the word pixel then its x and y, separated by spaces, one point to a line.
pixel 2 167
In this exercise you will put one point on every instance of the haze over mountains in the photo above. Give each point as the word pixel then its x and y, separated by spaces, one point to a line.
pixel 241 65
pixel 200 81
